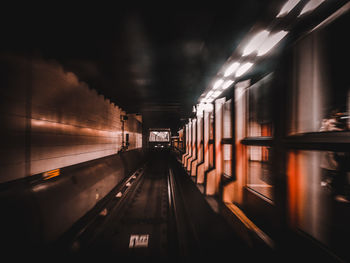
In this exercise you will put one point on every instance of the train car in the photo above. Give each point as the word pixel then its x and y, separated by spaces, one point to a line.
pixel 273 145
pixel 159 138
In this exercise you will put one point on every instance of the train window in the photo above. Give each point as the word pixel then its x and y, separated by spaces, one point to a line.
pixel 227 134
pixel 159 136
pixel 200 138
pixel 211 140
pixel 259 124
pixel 227 160
pixel 320 94
pixel 211 126
pixel 259 177
pixel 260 108
pixel 318 189
pixel 227 119
pixel 194 139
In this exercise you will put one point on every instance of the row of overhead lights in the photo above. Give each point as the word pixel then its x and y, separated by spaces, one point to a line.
pixel 259 45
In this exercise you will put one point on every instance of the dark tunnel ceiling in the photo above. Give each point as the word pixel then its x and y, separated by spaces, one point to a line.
pixel 150 60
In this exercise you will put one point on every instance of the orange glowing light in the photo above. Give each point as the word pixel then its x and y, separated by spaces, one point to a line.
pixel 292 192
pixel 51 174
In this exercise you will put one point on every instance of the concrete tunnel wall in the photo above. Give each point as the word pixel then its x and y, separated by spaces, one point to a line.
pixel 49 120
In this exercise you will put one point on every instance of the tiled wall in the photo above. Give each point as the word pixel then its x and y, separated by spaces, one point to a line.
pixel 49 119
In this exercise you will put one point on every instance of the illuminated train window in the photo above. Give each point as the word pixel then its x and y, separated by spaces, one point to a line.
pixel 211 140
pixel 260 108
pixel 259 125
pixel 227 133
pixel 318 187
pixel 259 171
pixel 200 142
pixel 227 160
pixel 159 136
pixel 319 100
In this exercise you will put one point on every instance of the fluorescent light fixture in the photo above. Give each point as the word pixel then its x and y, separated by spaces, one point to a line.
pixel 210 100
pixel 209 94
pixel 255 42
pixel 243 69
pixel 227 84
pixel 232 68
pixel 271 41
pixel 217 84
pixel 216 94
pixel 310 6
pixel 287 7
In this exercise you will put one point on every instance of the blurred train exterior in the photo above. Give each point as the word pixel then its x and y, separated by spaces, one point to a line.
pixel 274 148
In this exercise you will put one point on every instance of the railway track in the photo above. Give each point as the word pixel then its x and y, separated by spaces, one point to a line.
pixel 142 220
pixel 154 215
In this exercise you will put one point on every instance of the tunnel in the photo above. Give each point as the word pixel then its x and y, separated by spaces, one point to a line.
pixel 176 133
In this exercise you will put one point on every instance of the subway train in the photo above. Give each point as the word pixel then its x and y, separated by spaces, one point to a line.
pixel 159 139
pixel 274 148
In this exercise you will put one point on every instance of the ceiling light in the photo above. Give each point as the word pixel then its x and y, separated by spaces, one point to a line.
pixel 311 5
pixel 218 83
pixel 232 68
pixel 227 84
pixel 209 93
pixel 216 94
pixel 244 68
pixel 271 41
pixel 287 7
pixel 255 42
